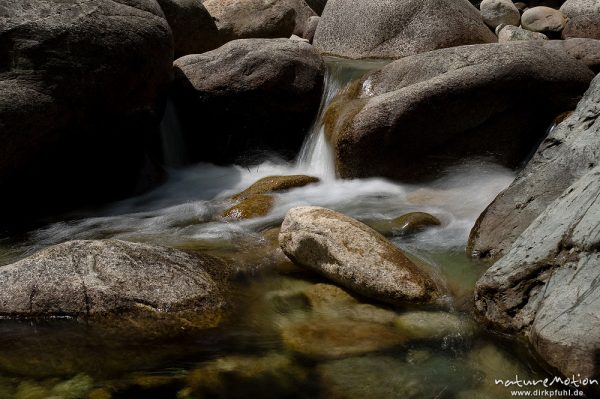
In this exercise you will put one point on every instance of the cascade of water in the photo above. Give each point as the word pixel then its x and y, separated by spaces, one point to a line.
pixel 316 157
pixel 171 135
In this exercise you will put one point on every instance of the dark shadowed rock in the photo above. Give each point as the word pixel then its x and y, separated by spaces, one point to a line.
pixel 248 95
pixel 546 286
pixel 354 256
pixel 194 30
pixel 569 151
pixel 113 279
pixel 395 29
pixel 425 112
pixel 78 81
pixel 246 19
pixel 582 49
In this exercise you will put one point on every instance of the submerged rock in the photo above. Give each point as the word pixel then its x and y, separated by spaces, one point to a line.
pixel 546 284
pixel 389 377
pixel 382 125
pixel 423 325
pixel 247 96
pixel 194 30
pixel 253 206
pixel 325 338
pixel 246 376
pixel 79 80
pixel 354 256
pixel 384 29
pixel 569 151
pixel 113 279
pixel 271 184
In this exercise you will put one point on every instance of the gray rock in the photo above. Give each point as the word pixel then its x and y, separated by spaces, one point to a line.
pixel 509 33
pixel 194 30
pixel 248 95
pixel 76 78
pixel 471 90
pixel 395 29
pixel 496 12
pixel 568 152
pixel 582 49
pixel 111 278
pixel 543 19
pixel 311 28
pixel 546 286
pixel 246 19
pixel 575 8
pixel 354 256
pixel 585 26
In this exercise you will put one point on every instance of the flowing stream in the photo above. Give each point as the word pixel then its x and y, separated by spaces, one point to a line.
pixel 245 356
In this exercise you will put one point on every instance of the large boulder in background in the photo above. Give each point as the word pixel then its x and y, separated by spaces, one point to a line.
pixel 245 19
pixel 546 286
pixel 81 88
pixel 584 19
pixel 395 29
pixel 569 151
pixel 194 30
pixel 574 8
pixel 353 255
pixel 428 111
pixel 112 278
pixel 248 95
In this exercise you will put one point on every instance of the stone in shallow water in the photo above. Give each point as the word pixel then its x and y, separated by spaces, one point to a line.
pixel 271 184
pixel 407 224
pixel 335 338
pixel 422 325
pixel 388 377
pixel 252 207
pixel 273 375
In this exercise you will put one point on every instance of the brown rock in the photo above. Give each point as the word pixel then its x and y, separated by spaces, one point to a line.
pixel 251 207
pixel 271 184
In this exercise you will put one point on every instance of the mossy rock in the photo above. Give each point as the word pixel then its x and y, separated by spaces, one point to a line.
pixel 272 184
pixel 252 207
pixel 408 224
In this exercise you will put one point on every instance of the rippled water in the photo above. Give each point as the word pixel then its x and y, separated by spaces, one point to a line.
pixel 247 356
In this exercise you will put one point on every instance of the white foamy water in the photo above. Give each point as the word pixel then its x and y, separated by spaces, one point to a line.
pixel 188 207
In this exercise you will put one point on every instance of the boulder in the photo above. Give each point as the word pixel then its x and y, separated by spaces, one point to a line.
pixel 246 19
pixel 194 30
pixel 543 19
pixel 575 8
pixel 395 29
pixel 584 50
pixel 79 81
pixel 271 184
pixel 496 12
pixel 384 124
pixel 311 28
pixel 583 26
pixel 407 224
pixel 509 33
pixel 546 285
pixel 354 256
pixel 247 96
pixel 253 206
pixel 111 279
pixel 569 151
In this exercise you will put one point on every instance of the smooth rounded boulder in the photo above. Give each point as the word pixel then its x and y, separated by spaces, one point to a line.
pixel 248 96
pixel 421 114
pixel 569 151
pixel 354 256
pixel 546 287
pixel 246 19
pixel 584 26
pixel 395 29
pixel 496 12
pixel 82 86
pixel 194 30
pixel 112 278
pixel 543 19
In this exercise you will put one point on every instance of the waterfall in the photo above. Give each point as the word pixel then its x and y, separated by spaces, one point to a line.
pixel 316 156
pixel 171 134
